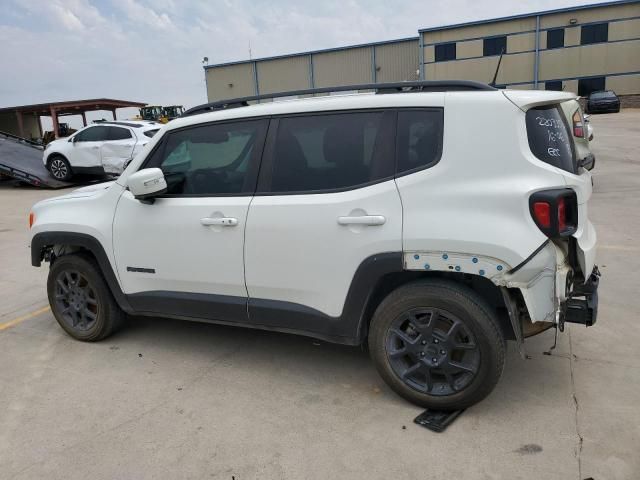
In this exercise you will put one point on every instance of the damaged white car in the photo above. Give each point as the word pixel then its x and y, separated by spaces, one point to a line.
pixel 432 220
pixel 98 149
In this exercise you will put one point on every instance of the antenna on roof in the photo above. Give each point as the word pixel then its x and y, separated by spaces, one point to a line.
pixel 495 76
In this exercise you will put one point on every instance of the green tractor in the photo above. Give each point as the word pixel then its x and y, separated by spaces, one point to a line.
pixel 152 112
pixel 173 111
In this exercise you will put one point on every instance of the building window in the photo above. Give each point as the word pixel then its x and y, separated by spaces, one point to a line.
pixel 588 85
pixel 553 85
pixel 555 38
pixel 494 46
pixel 445 52
pixel 597 33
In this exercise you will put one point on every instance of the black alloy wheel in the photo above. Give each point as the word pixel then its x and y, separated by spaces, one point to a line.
pixel 432 351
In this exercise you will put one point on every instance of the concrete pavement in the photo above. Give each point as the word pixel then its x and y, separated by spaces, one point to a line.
pixel 169 399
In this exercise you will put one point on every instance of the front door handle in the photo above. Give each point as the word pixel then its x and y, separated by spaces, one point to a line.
pixel 223 221
pixel 362 220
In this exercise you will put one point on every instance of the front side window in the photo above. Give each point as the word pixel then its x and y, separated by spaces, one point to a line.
pixel 118 133
pixel 555 38
pixel 93 134
pixel 209 159
pixel 445 52
pixel 597 33
pixel 329 152
pixel 494 46
pixel 419 140
pixel 549 137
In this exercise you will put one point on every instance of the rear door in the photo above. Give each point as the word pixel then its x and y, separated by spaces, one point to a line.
pixel 117 149
pixel 326 203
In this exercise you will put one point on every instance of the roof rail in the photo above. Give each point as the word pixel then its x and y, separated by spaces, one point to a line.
pixel 379 88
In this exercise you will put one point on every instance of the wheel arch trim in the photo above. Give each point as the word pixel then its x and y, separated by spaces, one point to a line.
pixel 42 240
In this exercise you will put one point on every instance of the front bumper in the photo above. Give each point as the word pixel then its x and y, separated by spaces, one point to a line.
pixel 581 305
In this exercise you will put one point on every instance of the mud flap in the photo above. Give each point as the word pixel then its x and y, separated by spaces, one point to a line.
pixel 515 321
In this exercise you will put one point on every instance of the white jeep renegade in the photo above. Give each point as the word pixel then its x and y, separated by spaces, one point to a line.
pixel 431 220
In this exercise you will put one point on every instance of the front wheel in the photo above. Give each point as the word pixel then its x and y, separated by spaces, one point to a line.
pixel 80 299
pixel 437 344
pixel 60 168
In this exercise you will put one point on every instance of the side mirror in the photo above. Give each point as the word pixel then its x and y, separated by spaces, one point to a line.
pixel 146 184
pixel 74 139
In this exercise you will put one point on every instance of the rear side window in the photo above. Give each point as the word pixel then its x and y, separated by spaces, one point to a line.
pixel 549 137
pixel 118 133
pixel 419 140
pixel 151 133
pixel 331 152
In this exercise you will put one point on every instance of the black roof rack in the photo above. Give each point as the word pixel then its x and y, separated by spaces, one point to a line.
pixel 398 87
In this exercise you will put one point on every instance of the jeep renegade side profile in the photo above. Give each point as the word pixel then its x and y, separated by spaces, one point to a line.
pixel 432 220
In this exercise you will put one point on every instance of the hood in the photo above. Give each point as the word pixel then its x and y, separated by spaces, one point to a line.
pixel 88 191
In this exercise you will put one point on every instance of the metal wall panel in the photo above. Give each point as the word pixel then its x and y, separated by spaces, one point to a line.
pixel 344 67
pixel 396 62
pixel 230 81
pixel 624 30
pixel 588 60
pixel 514 69
pixel 624 84
pixel 284 74
pixel 591 15
pixel 479 31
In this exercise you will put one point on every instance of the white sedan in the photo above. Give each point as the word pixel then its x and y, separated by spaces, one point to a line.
pixel 99 149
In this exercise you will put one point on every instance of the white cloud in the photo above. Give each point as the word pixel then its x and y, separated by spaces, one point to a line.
pixel 151 50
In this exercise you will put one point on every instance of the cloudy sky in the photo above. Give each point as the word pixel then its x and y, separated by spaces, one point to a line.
pixel 151 50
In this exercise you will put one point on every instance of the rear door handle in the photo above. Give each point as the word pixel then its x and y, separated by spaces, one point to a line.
pixel 362 220
pixel 224 221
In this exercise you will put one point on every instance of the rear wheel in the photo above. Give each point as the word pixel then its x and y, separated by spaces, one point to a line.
pixel 437 344
pixel 60 168
pixel 81 300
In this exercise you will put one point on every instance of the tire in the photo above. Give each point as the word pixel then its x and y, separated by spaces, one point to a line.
pixel 437 344
pixel 80 299
pixel 59 168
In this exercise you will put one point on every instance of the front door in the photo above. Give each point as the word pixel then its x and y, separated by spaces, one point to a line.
pixel 326 204
pixel 87 145
pixel 183 254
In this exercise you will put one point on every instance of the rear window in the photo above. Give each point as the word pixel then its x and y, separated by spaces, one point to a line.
pixel 549 137
pixel 607 94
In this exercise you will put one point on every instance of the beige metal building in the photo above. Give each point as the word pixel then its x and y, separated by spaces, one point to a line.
pixel 579 49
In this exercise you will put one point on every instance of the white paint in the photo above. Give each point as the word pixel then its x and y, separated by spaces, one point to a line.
pixel 301 249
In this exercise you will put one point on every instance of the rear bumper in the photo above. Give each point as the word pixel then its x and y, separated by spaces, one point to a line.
pixel 581 305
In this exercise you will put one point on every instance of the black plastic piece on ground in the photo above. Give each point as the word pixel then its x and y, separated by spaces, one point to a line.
pixel 584 310
pixel 435 420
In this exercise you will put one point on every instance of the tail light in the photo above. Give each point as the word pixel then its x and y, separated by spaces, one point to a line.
pixel 555 212
pixel 578 125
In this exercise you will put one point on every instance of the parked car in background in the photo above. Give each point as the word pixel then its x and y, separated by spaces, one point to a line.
pixel 603 102
pixel 581 131
pixel 98 149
